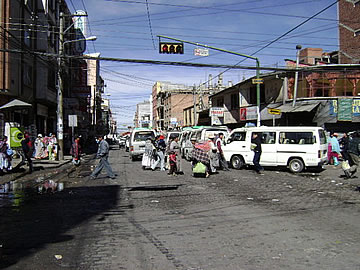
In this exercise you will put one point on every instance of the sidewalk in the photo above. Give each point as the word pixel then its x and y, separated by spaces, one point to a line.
pixel 45 163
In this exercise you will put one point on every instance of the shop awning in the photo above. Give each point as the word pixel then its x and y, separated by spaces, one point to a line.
pixel 15 104
pixel 299 107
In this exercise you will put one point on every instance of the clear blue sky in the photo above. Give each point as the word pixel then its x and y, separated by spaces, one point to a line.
pixel 129 29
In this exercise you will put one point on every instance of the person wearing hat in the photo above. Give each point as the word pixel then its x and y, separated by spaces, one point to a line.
pixel 214 159
pixel 160 147
pixel 103 155
pixel 39 147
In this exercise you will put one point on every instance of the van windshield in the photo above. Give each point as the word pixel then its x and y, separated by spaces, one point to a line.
pixel 143 136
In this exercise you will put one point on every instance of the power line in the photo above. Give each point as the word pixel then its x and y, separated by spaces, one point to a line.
pixel 151 31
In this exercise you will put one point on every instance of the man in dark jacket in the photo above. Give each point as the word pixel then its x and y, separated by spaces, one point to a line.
pixel 256 147
pixel 27 148
pixel 354 152
pixel 103 154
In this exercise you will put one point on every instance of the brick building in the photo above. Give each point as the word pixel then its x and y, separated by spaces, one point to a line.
pixel 349 31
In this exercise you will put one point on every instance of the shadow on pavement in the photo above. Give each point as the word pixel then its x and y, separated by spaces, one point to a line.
pixel 30 220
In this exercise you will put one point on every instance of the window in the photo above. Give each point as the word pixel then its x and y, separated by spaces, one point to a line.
pixel 238 136
pixel 220 102
pixel 296 138
pixel 234 101
pixel 268 137
pixel 27 37
pixel 143 136
pixel 28 75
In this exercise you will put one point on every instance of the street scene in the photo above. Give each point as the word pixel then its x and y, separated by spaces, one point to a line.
pixel 190 135
pixel 146 219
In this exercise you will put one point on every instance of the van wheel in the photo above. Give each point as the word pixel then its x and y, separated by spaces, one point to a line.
pixel 237 162
pixel 296 165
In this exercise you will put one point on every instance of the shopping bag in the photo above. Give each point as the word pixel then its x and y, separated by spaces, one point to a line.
pixel 345 165
pixel 199 168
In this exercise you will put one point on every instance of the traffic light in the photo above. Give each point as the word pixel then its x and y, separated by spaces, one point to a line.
pixel 172 48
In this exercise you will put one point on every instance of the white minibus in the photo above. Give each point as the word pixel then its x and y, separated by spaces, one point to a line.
pixel 137 141
pixel 296 148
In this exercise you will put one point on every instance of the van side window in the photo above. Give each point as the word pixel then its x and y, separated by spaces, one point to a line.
pixel 296 138
pixel 238 136
pixel 268 137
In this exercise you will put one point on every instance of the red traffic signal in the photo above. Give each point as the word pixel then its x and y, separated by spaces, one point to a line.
pixel 171 48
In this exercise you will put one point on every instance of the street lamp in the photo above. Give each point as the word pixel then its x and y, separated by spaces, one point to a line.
pixel 298 48
pixel 60 89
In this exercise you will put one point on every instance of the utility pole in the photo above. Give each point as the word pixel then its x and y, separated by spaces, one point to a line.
pixel 194 95
pixel 60 90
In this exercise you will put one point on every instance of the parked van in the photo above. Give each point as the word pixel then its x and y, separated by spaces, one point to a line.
pixel 137 141
pixel 201 133
pixel 296 148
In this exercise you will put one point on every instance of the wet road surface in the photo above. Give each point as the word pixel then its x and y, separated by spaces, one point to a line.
pixel 149 220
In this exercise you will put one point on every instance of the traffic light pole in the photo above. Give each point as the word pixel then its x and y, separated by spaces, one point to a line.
pixel 235 53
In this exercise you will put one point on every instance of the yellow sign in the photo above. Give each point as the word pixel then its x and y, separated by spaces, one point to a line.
pixel 16 136
pixel 257 81
pixel 274 111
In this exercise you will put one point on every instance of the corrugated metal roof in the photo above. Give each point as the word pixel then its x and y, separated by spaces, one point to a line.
pixel 300 107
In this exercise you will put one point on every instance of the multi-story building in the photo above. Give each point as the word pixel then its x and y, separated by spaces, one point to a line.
pixel 349 31
pixel 142 117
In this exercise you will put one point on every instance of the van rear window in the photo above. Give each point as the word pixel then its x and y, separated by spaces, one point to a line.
pixel 322 136
pixel 143 136
pixel 296 138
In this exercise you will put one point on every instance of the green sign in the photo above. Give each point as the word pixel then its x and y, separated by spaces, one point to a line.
pixel 16 136
pixel 345 109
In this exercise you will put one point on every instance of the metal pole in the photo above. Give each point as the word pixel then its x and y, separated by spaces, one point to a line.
pixel 194 91
pixel 258 122
pixel 60 90
pixel 298 48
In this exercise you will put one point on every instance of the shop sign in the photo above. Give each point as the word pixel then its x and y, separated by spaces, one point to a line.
pixel 217 111
pixel 251 113
pixel 345 107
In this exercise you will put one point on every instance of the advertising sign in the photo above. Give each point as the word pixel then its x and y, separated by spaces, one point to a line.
pixel 217 111
pixel 16 136
pixel 251 113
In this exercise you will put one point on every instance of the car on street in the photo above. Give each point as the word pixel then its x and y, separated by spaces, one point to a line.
pixel 137 141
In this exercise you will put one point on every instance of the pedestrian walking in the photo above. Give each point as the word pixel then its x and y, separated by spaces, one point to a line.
pixel 52 147
pixel 160 147
pixel 200 154
pixel 354 152
pixel 27 148
pixel 173 163
pixel 219 144
pixel 5 155
pixel 334 149
pixel 148 157
pixel 175 148
pixel 214 159
pixel 344 146
pixel 76 151
pixel 103 155
pixel 256 147
pixel 39 147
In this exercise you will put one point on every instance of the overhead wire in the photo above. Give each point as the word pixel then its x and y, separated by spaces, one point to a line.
pixel 150 27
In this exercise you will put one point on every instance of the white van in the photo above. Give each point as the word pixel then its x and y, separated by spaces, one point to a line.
pixel 200 134
pixel 137 141
pixel 294 147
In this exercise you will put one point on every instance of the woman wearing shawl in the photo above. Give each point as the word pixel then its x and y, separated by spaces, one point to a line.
pixel 201 154
pixel 147 158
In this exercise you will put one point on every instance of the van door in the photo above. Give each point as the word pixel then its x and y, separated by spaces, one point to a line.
pixel 236 145
pixel 268 147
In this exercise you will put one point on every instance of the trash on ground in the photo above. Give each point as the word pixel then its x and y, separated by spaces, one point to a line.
pixel 275 200
pixel 154 201
pixel 58 257
pixel 250 199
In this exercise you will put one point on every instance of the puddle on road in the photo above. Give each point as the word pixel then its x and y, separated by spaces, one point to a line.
pixel 14 193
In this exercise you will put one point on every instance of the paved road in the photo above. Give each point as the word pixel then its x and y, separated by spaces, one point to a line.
pixel 149 220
